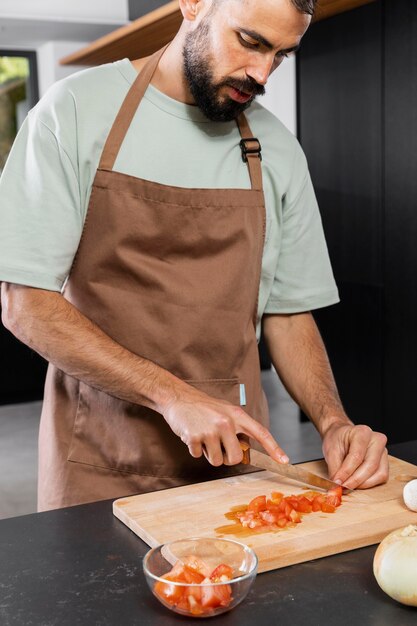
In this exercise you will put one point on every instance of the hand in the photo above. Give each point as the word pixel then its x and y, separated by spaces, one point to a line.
pixel 356 456
pixel 210 426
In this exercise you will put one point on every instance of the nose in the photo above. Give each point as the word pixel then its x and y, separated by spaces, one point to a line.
pixel 261 68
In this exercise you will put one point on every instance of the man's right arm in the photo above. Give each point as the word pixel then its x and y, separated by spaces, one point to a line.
pixel 53 327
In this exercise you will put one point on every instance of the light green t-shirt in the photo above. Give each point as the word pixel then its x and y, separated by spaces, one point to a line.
pixel 46 183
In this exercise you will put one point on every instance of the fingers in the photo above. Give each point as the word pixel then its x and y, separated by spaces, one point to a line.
pixel 267 441
pixel 195 449
pixel 380 476
pixel 366 462
pixel 211 429
pixel 233 453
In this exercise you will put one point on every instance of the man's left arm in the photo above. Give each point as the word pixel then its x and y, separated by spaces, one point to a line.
pixel 356 455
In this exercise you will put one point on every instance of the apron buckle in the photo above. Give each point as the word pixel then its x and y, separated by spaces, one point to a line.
pixel 248 149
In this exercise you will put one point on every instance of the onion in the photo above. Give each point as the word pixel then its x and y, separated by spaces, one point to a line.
pixel 395 565
pixel 410 495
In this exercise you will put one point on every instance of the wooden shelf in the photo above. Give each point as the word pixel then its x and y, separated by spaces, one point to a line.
pixel 153 30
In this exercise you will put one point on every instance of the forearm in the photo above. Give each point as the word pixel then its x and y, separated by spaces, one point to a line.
pixel 51 326
pixel 299 356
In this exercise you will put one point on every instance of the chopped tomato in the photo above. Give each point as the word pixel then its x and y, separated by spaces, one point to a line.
pixel 295 516
pixel 278 511
pixel 276 497
pixel 192 576
pixel 170 593
pixel 221 571
pixel 197 564
pixel 317 502
pixel 328 508
pixel 213 596
pixel 304 505
pixel 199 597
pixel 255 523
pixel 257 504
pixel 269 517
pixel 336 491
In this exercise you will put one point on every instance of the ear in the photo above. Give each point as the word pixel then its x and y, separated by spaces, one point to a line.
pixel 190 9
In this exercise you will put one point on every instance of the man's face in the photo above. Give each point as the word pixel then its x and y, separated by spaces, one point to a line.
pixel 234 47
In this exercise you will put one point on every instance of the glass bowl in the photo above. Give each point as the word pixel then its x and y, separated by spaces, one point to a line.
pixel 206 576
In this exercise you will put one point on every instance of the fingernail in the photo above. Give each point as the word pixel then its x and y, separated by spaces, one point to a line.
pixel 338 481
pixel 284 458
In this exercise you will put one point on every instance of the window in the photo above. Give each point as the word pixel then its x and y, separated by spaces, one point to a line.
pixel 18 94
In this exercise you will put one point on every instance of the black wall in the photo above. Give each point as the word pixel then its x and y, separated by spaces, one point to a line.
pixel 137 8
pixel 357 78
pixel 22 371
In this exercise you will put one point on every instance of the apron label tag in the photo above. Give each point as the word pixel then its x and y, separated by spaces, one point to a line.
pixel 242 394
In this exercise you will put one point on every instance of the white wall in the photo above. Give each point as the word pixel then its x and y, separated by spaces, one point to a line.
pixel 49 69
pixel 281 94
pixel 83 10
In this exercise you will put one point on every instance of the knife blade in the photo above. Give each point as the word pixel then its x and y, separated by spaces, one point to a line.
pixel 263 461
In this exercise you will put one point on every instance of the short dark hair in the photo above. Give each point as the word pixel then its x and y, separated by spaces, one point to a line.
pixel 305 6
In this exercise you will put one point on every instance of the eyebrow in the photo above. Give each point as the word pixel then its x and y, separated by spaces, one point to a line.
pixel 257 37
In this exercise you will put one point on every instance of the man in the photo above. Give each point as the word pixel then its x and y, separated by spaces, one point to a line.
pixel 145 247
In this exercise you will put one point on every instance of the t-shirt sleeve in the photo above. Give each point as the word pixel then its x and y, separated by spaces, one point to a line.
pixel 40 216
pixel 303 279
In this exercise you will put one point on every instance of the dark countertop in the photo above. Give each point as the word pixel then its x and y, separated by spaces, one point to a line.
pixel 82 566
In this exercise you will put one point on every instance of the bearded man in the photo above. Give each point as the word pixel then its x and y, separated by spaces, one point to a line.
pixel 164 215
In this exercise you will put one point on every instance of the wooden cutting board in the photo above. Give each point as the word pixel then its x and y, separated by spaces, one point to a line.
pixel 198 510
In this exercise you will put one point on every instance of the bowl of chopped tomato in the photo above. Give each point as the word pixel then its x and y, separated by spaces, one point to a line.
pixel 202 576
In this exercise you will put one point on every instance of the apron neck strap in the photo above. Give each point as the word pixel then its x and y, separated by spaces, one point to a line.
pixel 251 151
pixel 250 146
pixel 127 111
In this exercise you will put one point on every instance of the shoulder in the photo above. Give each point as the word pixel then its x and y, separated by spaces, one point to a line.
pixel 81 95
pixel 282 153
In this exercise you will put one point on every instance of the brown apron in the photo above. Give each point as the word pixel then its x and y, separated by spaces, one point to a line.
pixel 172 274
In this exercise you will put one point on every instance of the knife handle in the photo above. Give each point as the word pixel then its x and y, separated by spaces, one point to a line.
pixel 246 452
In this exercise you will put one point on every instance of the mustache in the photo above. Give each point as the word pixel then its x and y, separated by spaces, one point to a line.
pixel 247 85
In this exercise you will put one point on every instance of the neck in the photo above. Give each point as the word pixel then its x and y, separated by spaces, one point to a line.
pixel 169 75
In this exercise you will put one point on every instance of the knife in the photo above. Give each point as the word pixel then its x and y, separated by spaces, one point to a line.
pixel 263 461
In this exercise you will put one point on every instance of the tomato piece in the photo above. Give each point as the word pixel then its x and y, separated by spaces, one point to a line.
pixel 287 510
pixel 293 501
pixel 336 491
pixel 269 516
pixel 256 523
pixel 172 594
pixel 257 504
pixel 276 497
pixel 191 575
pixel 213 596
pixel 328 508
pixel 310 495
pixel 304 505
pixel 333 501
pixel 295 516
pixel 274 508
pixel 197 564
pixel 194 605
pixel 316 504
pixel 220 571
pixel 282 522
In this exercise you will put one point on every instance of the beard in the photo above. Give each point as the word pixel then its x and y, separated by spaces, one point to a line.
pixel 198 63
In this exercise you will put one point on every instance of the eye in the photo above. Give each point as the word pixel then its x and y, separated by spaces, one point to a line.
pixel 247 43
pixel 282 55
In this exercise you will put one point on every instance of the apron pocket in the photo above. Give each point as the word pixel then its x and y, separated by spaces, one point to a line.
pixel 126 437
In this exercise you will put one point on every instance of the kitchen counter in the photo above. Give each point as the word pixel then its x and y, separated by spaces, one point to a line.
pixel 82 566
